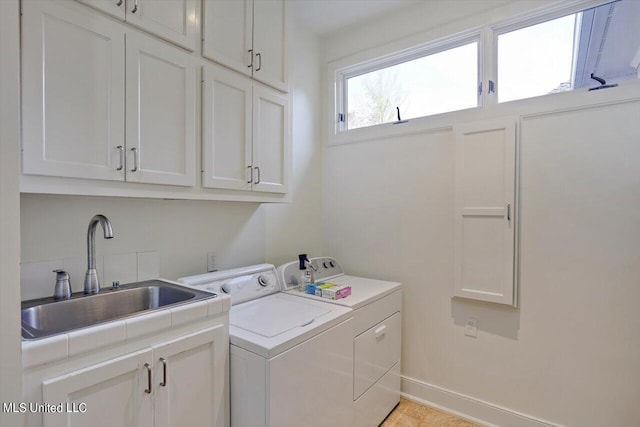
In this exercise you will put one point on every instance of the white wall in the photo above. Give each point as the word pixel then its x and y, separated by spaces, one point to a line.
pixel 55 227
pixel 10 379
pixel 569 355
pixel 296 228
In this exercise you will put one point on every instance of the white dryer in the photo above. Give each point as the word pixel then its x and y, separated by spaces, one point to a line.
pixel 376 335
pixel 291 360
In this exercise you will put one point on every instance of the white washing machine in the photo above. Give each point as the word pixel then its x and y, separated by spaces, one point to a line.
pixel 376 335
pixel 291 360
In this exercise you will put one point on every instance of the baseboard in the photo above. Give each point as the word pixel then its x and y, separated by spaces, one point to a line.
pixel 468 407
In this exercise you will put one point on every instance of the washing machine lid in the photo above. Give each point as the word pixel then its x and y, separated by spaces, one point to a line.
pixel 275 316
pixel 273 324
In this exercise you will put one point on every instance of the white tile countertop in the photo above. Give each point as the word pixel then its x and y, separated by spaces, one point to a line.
pixel 62 346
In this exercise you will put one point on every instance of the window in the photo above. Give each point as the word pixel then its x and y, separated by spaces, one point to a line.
pixel 416 85
pixel 554 50
pixel 561 54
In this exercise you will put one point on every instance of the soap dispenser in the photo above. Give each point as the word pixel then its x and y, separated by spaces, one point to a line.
pixel 63 285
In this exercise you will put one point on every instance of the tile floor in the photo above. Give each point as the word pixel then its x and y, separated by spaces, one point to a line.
pixel 413 414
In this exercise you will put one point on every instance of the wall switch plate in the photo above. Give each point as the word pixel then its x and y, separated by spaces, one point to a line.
pixel 211 262
pixel 471 327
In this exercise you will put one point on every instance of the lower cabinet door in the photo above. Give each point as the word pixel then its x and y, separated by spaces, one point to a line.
pixel 189 383
pixel 113 393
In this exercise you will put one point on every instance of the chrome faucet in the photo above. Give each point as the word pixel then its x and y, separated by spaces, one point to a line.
pixel 91 283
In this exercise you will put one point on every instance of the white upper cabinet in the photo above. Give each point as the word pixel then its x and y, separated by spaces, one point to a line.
pixel 72 93
pixel 74 104
pixel 269 43
pixel 161 113
pixel 270 141
pixel 248 36
pixel 226 133
pixel 173 20
pixel 227 30
pixel 246 142
pixel 485 215
pixel 116 8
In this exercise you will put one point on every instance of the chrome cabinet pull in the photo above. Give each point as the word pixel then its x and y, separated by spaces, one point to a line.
pixel 250 58
pixel 148 389
pixel 250 175
pixel 509 212
pixel 121 149
pixel 257 168
pixel 164 372
pixel 135 159
pixel 135 7
pixel 120 3
pixel 259 56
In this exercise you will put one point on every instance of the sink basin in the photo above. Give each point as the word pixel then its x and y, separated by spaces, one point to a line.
pixel 45 317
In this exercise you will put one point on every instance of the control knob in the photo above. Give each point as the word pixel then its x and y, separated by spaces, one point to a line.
pixel 264 280
pixel 225 288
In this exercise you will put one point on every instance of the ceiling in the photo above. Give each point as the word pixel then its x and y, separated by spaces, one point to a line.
pixel 326 16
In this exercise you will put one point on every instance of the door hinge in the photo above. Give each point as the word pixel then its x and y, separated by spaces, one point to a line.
pixel 480 88
pixel 492 87
pixel 340 117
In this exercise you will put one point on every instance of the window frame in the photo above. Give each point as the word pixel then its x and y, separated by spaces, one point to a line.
pixel 396 51
pixel 343 74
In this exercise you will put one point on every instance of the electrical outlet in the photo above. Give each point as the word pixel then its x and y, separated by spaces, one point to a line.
pixel 212 265
pixel 471 327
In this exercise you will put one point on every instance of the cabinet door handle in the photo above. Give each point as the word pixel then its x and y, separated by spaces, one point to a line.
pixel 121 149
pixel 135 6
pixel 259 56
pixel 380 331
pixel 164 372
pixel 148 389
pixel 509 212
pixel 250 175
pixel 120 3
pixel 257 168
pixel 250 58
pixel 135 159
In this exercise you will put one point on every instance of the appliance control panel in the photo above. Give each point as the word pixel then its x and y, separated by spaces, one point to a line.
pixel 323 268
pixel 241 284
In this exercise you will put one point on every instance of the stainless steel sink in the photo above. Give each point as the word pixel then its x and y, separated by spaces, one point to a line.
pixel 45 317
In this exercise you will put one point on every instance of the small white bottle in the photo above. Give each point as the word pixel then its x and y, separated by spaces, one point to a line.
pixel 305 276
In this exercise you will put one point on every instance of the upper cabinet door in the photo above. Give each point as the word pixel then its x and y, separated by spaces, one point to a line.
pixel 72 92
pixel 484 242
pixel 227 29
pixel 271 147
pixel 269 43
pixel 226 137
pixel 161 113
pixel 115 8
pixel 173 20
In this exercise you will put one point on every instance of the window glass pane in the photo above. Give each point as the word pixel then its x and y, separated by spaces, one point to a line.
pixel 536 60
pixel 445 81
pixel 561 54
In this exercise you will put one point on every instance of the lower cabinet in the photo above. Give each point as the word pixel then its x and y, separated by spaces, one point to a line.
pixel 173 383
